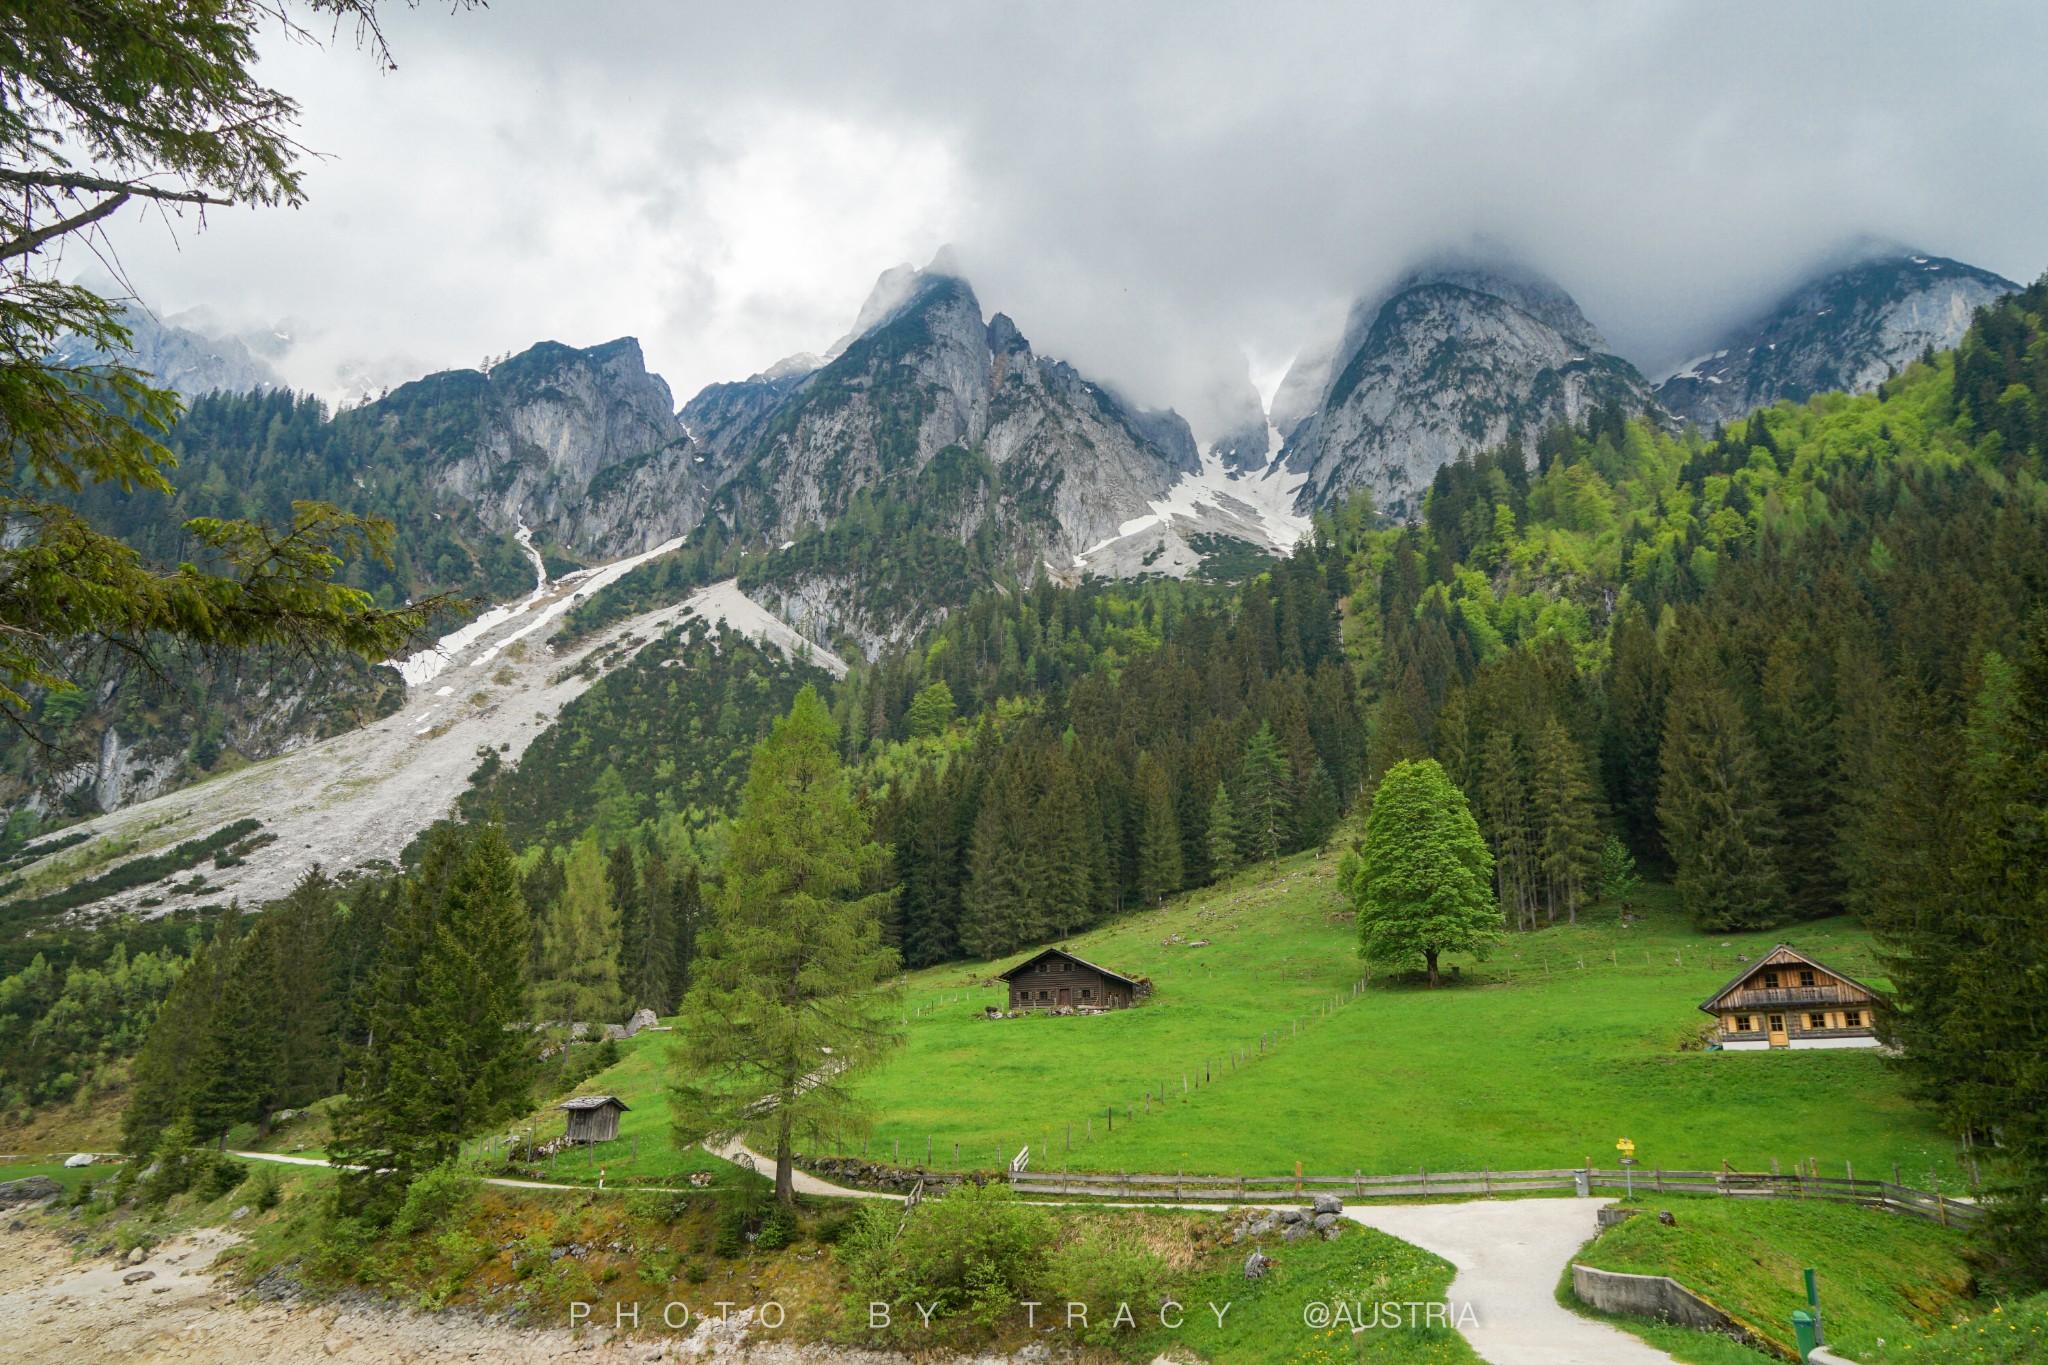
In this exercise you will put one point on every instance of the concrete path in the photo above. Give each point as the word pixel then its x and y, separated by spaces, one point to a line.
pixel 1509 1254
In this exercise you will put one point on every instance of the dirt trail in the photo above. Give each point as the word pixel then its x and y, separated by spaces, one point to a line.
pixel 360 797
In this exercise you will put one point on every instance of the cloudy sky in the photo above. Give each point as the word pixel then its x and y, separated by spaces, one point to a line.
pixel 1172 195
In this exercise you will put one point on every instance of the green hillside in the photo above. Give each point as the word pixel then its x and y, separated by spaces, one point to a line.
pixel 1530 1061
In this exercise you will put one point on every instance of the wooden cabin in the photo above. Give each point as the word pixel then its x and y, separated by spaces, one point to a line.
pixel 1057 980
pixel 1787 999
pixel 594 1118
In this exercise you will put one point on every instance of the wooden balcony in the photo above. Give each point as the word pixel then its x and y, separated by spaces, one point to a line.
pixel 1798 995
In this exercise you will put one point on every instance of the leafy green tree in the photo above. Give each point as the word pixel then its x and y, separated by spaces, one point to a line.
pixel 1423 885
pixel 446 1058
pixel 1717 816
pixel 790 1001
pixel 1159 865
pixel 1223 857
pixel 1262 797
pixel 931 711
pixel 106 105
pixel 579 957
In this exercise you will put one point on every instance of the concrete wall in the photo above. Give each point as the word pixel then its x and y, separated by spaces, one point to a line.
pixel 1657 1296
pixel 1744 1043
pixel 1866 1040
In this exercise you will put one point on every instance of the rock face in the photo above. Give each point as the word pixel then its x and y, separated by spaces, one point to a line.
pixel 1845 330
pixel 585 443
pixel 936 428
pixel 1452 358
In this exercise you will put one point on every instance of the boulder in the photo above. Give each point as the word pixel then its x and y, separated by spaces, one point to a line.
pixel 1291 1216
pixel 28 1191
pixel 641 1019
pixel 1329 1203
pixel 1255 1265
pixel 1294 1232
pixel 138 1276
pixel 137 1255
pixel 79 1159
pixel 616 1033
pixel 1325 1221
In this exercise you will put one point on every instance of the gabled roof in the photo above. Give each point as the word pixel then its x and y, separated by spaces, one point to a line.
pixel 1777 956
pixel 1036 958
pixel 593 1102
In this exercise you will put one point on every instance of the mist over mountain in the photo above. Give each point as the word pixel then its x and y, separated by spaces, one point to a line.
pixel 1453 358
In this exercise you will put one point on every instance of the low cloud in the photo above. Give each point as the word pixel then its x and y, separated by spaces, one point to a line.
pixel 1174 196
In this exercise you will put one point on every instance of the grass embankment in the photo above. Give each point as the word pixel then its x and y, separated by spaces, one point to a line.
pixel 1883 1276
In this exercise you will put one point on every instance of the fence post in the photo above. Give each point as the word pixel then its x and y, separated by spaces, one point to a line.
pixel 1358 1181
pixel 1425 1180
pixel 1486 1174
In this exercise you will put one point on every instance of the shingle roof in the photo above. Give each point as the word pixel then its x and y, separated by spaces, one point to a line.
pixel 593 1102
pixel 1071 957
pixel 1792 954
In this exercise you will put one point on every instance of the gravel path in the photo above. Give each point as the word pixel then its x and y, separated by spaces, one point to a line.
pixel 1509 1254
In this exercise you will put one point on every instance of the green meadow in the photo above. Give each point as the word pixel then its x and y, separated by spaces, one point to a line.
pixel 1263 1045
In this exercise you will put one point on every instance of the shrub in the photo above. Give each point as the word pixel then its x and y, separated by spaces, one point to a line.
pixel 432 1200
pixel 971 1252
pixel 266 1190
pixel 1103 1264
pixel 834 1226
pixel 218 1174
pixel 779 1229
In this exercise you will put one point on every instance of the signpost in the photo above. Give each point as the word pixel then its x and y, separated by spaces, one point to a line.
pixel 1628 1161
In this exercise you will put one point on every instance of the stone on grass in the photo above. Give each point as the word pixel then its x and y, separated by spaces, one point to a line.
pixel 28 1190
pixel 1255 1265
pixel 1329 1203
pixel 1325 1221
pixel 79 1159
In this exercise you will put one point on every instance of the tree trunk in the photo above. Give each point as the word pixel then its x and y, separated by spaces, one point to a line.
pixel 785 1160
pixel 1430 955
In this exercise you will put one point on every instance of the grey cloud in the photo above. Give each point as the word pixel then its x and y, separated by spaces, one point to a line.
pixel 1153 191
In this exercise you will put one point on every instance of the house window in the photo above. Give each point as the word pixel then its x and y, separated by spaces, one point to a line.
pixel 1045 995
pixel 1770 981
pixel 1777 1023
pixel 1743 1024
pixel 1087 994
pixel 1816 1021
pixel 1852 1018
pixel 1805 978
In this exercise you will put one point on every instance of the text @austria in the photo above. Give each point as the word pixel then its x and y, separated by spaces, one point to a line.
pixel 676 1315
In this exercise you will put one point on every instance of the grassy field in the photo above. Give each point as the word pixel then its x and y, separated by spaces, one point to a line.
pixel 1569 1039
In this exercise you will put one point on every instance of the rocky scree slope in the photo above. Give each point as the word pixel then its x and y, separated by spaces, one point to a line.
pixel 1846 330
pixel 1451 359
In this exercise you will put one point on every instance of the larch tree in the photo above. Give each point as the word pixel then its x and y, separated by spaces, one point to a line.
pixel 579 950
pixel 791 999
pixel 1423 881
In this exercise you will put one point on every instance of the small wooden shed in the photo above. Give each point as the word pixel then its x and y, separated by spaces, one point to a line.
pixel 1059 982
pixel 594 1118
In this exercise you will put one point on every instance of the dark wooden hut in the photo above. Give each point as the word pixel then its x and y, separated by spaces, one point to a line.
pixel 593 1118
pixel 1057 980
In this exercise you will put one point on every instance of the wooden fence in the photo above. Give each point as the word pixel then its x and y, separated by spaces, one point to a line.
pixel 1220 1189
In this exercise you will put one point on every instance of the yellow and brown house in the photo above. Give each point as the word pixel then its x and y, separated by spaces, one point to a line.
pixel 1787 999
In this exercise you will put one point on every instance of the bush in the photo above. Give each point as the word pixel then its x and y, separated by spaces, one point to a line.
pixel 432 1200
pixel 266 1190
pixel 779 1229
pixel 972 1251
pixel 218 1174
pixel 178 1165
pixel 834 1226
pixel 1106 1263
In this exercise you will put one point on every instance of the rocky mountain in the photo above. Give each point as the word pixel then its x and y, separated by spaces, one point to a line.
pixel 584 446
pixel 1848 329
pixel 933 436
pixel 191 360
pixel 1452 358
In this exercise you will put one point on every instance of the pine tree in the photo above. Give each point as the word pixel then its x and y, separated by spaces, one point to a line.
pixel 622 879
pixel 307 998
pixel 444 1061
pixel 1503 796
pixel 647 978
pixel 1717 816
pixel 928 865
pixel 1159 866
pixel 1423 880
pixel 1796 735
pixel 160 1089
pixel 1567 822
pixel 236 1066
pixel 1262 797
pixel 1316 813
pixel 1223 857
pixel 579 971
pixel 689 922
pixel 790 1002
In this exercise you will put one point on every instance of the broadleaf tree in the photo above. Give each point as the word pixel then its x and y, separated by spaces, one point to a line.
pixel 1423 879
